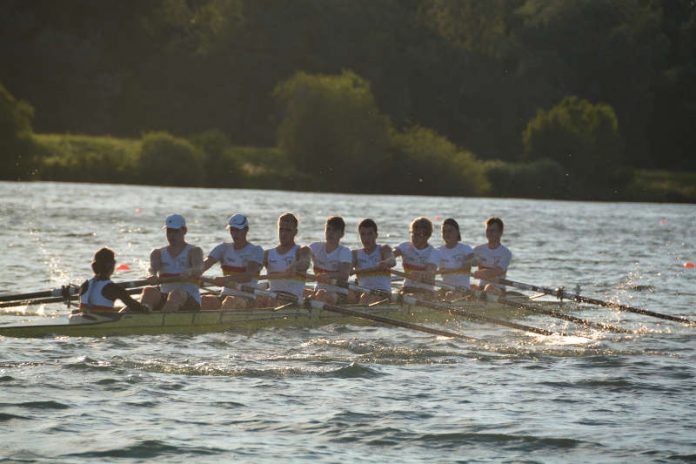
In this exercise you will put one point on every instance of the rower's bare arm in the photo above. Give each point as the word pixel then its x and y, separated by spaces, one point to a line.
pixel 155 266
pixel 489 273
pixel 196 263
pixel 303 259
pixel 343 272
pixel 209 261
pixel 388 259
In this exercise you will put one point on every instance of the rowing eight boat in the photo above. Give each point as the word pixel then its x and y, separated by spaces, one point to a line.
pixel 240 320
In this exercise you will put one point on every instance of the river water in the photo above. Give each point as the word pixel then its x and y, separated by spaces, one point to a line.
pixel 345 393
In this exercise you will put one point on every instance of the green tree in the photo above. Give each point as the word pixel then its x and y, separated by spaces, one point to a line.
pixel 425 162
pixel 17 147
pixel 332 130
pixel 581 136
pixel 168 160
pixel 222 167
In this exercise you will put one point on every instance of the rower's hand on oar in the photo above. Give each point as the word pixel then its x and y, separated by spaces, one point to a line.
pixel 325 279
pixel 152 280
pixel 486 274
pixel 422 276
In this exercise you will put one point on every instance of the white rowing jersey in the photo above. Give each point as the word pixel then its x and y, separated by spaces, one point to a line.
pixel 171 266
pixel 279 263
pixel 235 261
pixel 414 259
pixel 454 259
pixel 329 262
pixel 489 258
pixel 93 300
pixel 374 279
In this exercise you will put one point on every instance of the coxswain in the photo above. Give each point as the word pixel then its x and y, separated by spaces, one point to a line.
pixel 177 268
pixel 493 258
pixel 371 263
pixel 419 259
pixel 332 263
pixel 97 294
pixel 241 263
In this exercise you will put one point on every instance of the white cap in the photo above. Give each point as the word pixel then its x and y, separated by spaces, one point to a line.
pixel 238 221
pixel 174 221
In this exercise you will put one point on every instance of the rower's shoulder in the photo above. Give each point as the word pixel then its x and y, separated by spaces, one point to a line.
pixel 195 249
pixel 480 248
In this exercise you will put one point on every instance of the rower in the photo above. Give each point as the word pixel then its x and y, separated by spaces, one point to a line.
pixel 372 262
pixel 455 257
pixel 177 269
pixel 332 262
pixel 98 293
pixel 493 258
pixel 240 261
pixel 287 263
pixel 419 258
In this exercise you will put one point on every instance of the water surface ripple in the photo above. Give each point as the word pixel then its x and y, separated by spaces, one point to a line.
pixel 348 393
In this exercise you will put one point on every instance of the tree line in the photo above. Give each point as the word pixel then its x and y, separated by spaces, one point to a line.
pixel 526 88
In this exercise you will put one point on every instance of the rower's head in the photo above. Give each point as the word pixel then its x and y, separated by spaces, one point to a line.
pixel 368 232
pixel 421 229
pixel 104 262
pixel 238 224
pixel 334 229
pixel 450 232
pixel 494 230
pixel 176 229
pixel 287 228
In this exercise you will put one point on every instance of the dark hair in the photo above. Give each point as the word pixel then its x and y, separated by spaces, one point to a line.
pixel 368 223
pixel 336 222
pixel 453 223
pixel 422 223
pixel 288 217
pixel 495 220
pixel 103 261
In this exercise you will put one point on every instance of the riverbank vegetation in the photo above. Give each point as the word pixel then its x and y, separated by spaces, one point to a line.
pixel 527 98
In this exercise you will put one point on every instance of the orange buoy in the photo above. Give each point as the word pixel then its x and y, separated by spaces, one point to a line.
pixel 689 265
pixel 123 267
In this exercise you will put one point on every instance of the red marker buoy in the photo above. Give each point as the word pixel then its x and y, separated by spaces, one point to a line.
pixel 123 267
pixel 689 265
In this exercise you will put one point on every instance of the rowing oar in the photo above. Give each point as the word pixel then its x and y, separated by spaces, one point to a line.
pixel 53 299
pixel 320 305
pixel 58 295
pixel 557 314
pixel 63 292
pixel 536 309
pixel 560 293
pixel 469 315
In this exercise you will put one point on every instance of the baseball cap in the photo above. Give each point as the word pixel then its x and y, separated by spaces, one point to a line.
pixel 237 221
pixel 174 221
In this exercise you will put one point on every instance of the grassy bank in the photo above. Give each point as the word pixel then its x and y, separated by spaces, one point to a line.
pixel 81 158
pixel 663 186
